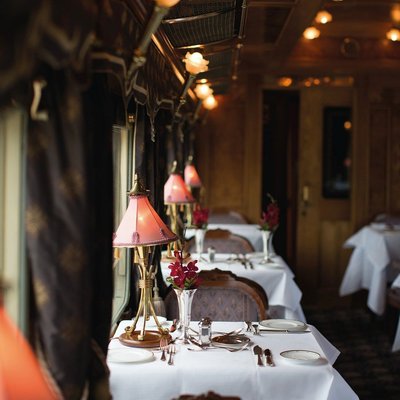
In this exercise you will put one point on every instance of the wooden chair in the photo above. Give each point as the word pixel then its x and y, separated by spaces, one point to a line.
pixel 223 296
pixel 223 241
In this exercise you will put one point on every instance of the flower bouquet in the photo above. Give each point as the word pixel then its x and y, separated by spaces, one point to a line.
pixel 269 224
pixel 185 280
pixel 270 217
pixel 200 218
pixel 200 221
pixel 182 276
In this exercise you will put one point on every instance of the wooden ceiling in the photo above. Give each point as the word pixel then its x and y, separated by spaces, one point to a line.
pixel 353 42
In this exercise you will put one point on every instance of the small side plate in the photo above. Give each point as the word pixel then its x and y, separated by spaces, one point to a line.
pixel 284 324
pixel 302 357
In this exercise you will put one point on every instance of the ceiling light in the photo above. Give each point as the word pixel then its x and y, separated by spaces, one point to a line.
pixel 393 34
pixel 323 17
pixel 395 13
pixel 210 103
pixel 203 91
pixel 311 33
pixel 285 81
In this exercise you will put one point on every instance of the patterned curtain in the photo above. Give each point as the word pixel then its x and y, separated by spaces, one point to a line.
pixel 69 224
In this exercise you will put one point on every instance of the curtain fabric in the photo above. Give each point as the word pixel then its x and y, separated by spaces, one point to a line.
pixel 69 225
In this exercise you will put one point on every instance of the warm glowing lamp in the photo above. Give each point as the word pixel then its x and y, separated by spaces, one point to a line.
pixel 176 196
pixel 192 179
pixel 210 103
pixel 141 228
pixel 203 90
pixel 311 33
pixel 323 17
pixel 20 374
pixel 393 34
pixel 194 64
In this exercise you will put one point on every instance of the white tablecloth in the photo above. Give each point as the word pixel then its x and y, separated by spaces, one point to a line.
pixel 277 280
pixel 369 266
pixel 250 231
pixel 234 374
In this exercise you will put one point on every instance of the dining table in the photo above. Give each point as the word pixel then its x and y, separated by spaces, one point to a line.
pixel 303 367
pixel 275 277
pixel 251 232
pixel 373 264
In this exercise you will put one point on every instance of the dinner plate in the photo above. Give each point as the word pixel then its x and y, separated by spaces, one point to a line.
pixel 129 355
pixel 230 340
pixel 301 356
pixel 284 324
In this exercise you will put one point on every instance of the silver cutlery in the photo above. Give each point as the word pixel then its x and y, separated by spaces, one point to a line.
pixel 171 352
pixel 268 358
pixel 249 327
pixel 163 347
pixel 230 349
pixel 257 350
pixel 256 330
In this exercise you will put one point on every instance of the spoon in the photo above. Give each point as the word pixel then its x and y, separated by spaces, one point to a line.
pixel 257 350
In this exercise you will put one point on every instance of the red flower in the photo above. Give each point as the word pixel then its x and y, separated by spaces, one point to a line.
pixel 270 217
pixel 200 217
pixel 183 276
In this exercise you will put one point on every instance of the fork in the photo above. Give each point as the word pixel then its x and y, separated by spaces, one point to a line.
pixel 163 347
pixel 171 352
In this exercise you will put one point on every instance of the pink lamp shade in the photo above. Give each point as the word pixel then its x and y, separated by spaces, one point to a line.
pixel 176 192
pixel 141 225
pixel 192 178
pixel 20 374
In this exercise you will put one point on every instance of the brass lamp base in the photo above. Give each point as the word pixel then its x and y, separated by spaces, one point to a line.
pixel 150 339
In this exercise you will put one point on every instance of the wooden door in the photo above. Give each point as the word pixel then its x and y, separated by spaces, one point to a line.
pixel 323 223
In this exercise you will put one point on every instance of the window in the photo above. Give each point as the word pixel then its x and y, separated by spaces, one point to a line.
pixel 122 158
pixel 12 238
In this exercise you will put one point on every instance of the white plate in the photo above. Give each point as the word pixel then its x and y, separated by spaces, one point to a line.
pixel 302 356
pixel 129 355
pixel 150 323
pixel 284 324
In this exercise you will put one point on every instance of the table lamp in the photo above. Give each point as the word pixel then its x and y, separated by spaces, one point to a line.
pixel 141 228
pixel 176 197
pixel 193 183
pixel 20 374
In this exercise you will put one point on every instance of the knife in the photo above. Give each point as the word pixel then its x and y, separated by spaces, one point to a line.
pixel 268 357
pixel 257 350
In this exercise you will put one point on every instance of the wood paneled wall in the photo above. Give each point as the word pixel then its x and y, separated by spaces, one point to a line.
pixel 228 151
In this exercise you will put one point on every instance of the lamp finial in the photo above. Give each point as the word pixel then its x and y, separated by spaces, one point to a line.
pixel 138 188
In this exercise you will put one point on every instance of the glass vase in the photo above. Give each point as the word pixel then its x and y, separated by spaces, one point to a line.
pixel 199 239
pixel 271 250
pixel 185 298
pixel 266 238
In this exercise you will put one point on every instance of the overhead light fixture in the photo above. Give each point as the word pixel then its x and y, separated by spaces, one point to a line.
pixel 160 9
pixel 285 81
pixel 393 35
pixel 323 17
pixel 311 33
pixel 203 90
pixel 141 228
pixel 194 64
pixel 210 103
